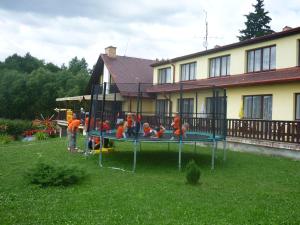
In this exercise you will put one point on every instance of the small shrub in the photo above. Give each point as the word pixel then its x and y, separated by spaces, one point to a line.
pixel 14 127
pixel 5 139
pixel 46 174
pixel 41 136
pixel 192 172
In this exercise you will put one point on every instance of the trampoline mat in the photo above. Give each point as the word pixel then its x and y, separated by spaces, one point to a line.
pixel 167 137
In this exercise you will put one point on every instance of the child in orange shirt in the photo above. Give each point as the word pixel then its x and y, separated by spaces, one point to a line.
pixel 120 131
pixel 147 130
pixel 176 121
pixel 159 131
pixel 129 124
pixel 73 128
pixel 184 129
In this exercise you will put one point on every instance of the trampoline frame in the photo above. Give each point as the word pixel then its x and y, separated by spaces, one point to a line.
pixel 214 139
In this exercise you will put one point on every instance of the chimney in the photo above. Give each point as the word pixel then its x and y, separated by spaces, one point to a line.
pixel 110 51
pixel 217 46
pixel 286 28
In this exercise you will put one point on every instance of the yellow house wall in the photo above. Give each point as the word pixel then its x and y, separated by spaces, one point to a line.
pixel 147 105
pixel 286 56
pixel 283 97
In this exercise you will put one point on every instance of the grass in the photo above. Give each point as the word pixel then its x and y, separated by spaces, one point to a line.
pixel 247 189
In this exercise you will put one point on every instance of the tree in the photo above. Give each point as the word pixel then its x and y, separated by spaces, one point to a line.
pixel 76 66
pixel 257 23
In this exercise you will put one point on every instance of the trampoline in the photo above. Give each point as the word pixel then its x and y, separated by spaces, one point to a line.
pixel 204 126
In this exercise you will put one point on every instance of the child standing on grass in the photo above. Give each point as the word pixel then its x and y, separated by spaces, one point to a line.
pixel 73 128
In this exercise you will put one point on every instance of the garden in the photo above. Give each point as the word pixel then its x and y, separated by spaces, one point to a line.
pixel 246 189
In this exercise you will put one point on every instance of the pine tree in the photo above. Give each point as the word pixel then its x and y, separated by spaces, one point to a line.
pixel 257 23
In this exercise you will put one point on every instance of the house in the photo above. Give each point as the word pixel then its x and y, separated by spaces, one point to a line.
pixel 261 76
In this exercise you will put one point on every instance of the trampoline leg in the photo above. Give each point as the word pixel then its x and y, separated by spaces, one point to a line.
pixel 213 154
pixel 86 152
pixel 195 148
pixel 224 149
pixel 179 156
pixel 168 146
pixel 100 153
pixel 134 156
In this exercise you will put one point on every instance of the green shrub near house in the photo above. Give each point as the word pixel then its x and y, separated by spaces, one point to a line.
pixel 14 128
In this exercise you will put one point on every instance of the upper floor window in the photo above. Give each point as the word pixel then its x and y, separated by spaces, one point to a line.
pixel 188 71
pixel 297 106
pixel 258 107
pixel 164 75
pixel 261 59
pixel 219 66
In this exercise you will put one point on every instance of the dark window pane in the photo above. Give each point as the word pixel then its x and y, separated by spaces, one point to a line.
pixel 250 61
pixel 267 108
pixel 212 67
pixel 224 65
pixel 298 107
pixel 257 60
pixel 266 58
pixel 256 107
pixel 218 65
pixel 273 58
pixel 248 107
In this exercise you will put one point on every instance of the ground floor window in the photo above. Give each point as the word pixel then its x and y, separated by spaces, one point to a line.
pixel 220 106
pixel 258 107
pixel 161 107
pixel 187 106
pixel 297 106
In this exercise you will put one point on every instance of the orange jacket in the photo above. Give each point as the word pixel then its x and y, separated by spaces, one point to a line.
pixel 129 121
pixel 176 122
pixel 73 127
pixel 177 132
pixel 160 133
pixel 120 131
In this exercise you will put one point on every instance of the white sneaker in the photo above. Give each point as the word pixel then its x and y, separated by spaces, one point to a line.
pixel 172 138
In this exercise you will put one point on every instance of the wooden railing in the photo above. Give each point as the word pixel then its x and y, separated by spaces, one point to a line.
pixel 271 130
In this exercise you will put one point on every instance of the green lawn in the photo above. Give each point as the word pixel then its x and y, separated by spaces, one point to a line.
pixel 247 189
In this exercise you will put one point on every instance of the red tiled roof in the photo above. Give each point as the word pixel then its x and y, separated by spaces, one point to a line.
pixel 127 72
pixel 248 79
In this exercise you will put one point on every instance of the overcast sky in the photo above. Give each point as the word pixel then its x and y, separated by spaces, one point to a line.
pixel 58 30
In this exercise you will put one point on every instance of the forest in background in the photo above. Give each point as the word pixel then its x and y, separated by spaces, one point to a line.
pixel 29 86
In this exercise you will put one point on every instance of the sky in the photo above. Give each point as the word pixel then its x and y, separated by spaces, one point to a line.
pixel 58 30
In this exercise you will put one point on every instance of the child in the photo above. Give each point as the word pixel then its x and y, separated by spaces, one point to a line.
pixel 120 131
pixel 106 128
pixel 73 127
pixel 176 121
pixel 160 131
pixel 129 124
pixel 94 141
pixel 184 129
pixel 147 130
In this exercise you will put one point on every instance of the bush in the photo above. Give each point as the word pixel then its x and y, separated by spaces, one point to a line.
pixel 46 174
pixel 14 128
pixel 41 136
pixel 5 139
pixel 192 172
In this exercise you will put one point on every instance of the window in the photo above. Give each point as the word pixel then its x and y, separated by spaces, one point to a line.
pixel 220 106
pixel 261 59
pixel 219 66
pixel 258 107
pixel 188 71
pixel 187 106
pixel 164 75
pixel 161 107
pixel 297 106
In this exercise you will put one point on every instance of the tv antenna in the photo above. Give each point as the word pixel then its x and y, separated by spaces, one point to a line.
pixel 205 43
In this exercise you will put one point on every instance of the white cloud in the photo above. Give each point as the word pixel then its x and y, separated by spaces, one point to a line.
pixel 58 31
